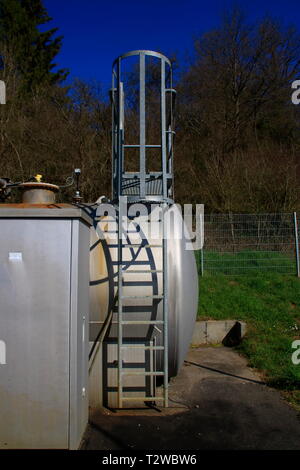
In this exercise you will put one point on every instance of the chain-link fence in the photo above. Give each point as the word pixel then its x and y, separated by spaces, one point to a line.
pixel 237 244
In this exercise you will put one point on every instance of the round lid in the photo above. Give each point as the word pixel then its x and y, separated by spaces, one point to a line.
pixel 36 185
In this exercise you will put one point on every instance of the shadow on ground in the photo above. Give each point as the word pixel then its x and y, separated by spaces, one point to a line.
pixel 216 402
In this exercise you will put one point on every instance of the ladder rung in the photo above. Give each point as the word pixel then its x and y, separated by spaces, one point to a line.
pixel 142 271
pixel 142 322
pixel 143 398
pixel 150 374
pixel 135 146
pixel 132 263
pixel 129 312
pixel 134 283
pixel 115 232
pixel 142 246
pixel 142 297
pixel 134 309
pixel 144 348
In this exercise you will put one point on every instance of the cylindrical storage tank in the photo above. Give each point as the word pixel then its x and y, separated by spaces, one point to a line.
pixel 137 256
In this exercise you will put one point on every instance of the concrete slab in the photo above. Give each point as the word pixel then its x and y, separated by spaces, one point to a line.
pixel 217 402
pixel 214 331
pixel 200 333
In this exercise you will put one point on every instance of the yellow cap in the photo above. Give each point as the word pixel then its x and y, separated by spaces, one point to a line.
pixel 38 178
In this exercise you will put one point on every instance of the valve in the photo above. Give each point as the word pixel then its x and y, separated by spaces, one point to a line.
pixel 4 189
pixel 77 198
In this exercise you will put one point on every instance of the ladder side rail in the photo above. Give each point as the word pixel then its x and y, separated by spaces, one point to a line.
pixel 165 305
pixel 120 308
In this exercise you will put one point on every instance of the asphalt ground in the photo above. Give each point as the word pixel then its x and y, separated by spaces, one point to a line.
pixel 216 402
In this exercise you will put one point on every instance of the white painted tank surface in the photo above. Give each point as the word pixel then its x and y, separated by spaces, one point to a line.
pixel 182 285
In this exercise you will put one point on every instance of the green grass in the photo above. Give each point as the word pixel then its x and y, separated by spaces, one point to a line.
pixel 248 262
pixel 270 304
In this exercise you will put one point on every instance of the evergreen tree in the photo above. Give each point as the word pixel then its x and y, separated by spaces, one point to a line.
pixel 32 48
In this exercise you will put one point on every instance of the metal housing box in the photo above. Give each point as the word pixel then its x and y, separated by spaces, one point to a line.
pixel 44 318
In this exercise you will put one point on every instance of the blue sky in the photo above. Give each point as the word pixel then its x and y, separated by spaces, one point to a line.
pixel 97 31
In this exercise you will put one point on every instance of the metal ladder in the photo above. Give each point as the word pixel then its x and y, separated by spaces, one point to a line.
pixel 121 322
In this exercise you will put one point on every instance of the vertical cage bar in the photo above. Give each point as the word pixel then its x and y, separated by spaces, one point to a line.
pixel 170 166
pixel 142 126
pixel 163 128
pixel 113 136
pixel 170 134
pixel 122 124
pixel 296 244
pixel 119 140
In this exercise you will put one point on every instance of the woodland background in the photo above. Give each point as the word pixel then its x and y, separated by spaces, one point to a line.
pixel 237 145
